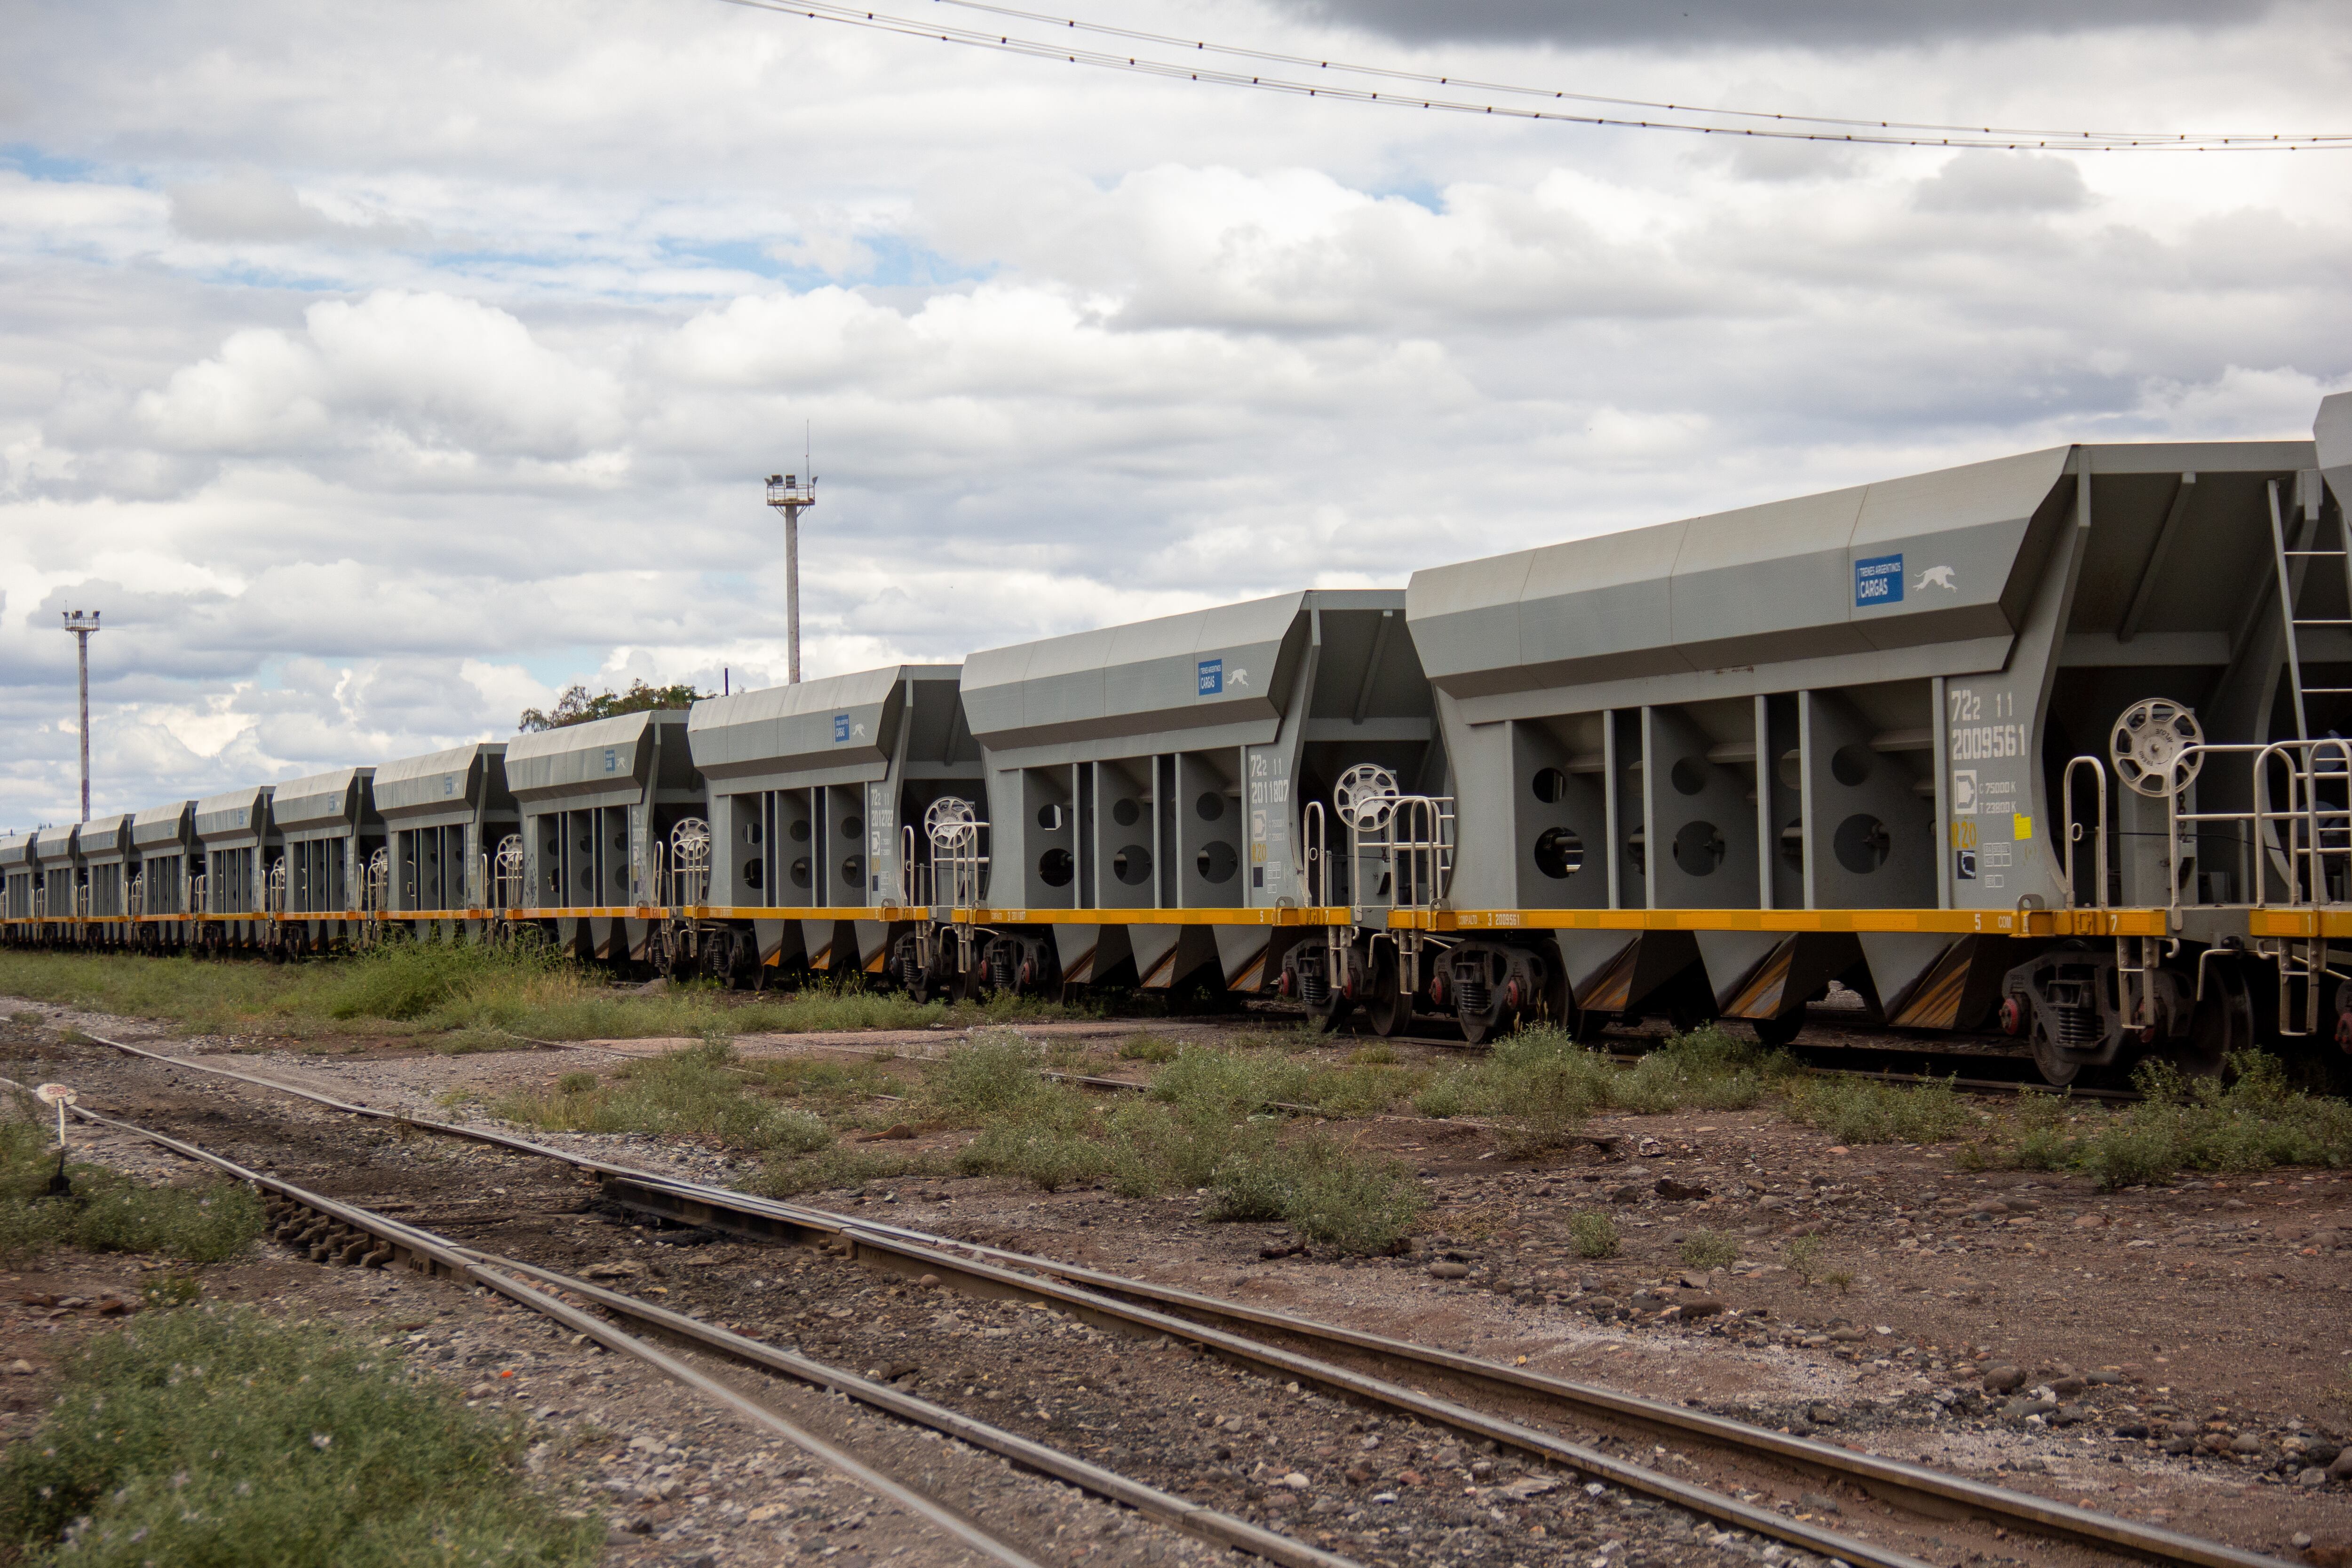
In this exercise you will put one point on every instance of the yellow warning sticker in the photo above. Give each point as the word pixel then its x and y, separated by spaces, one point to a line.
pixel 2023 826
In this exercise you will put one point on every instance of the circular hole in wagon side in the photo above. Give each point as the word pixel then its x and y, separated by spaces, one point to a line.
pixel 1852 765
pixel 1862 843
pixel 1698 848
pixel 1559 852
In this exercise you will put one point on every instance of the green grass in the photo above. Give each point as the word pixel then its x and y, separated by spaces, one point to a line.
pixel 203 1222
pixel 1542 1087
pixel 1706 1248
pixel 699 1093
pixel 1148 1047
pixel 1594 1235
pixel 1209 1121
pixel 2250 1118
pixel 836 1168
pixel 1857 1110
pixel 482 995
pixel 206 1438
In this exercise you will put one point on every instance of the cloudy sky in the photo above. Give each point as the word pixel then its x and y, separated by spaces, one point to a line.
pixel 380 371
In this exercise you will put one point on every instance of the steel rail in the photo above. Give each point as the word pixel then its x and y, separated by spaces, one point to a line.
pixel 1113 1297
pixel 437 1253
pixel 485 1269
pixel 1211 1524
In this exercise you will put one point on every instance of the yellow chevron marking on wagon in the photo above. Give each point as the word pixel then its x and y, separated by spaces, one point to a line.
pixel 1942 922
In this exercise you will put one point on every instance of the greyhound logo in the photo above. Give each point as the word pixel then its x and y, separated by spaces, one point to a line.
pixel 1936 577
pixel 1239 678
pixel 858 730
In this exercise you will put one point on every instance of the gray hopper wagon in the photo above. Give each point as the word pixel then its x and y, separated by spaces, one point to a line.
pixel 58 882
pixel 2015 745
pixel 452 856
pixel 1152 790
pixel 816 854
pixel 18 875
pixel 109 866
pixel 598 802
pixel 328 826
pixel 237 844
pixel 164 844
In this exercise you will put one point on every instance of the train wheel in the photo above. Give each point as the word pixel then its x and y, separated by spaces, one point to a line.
pixel 1479 1030
pixel 2222 1023
pixel 2057 1069
pixel 1780 1032
pixel 1389 1009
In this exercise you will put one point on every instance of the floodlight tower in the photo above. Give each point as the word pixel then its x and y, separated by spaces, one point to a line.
pixel 788 496
pixel 81 623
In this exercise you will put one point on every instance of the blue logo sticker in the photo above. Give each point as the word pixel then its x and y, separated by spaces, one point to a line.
pixel 611 759
pixel 1212 677
pixel 1878 580
pixel 448 783
pixel 840 726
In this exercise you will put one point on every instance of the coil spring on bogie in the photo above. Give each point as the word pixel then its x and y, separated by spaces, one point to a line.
pixel 1313 989
pixel 1000 965
pixel 1471 994
pixel 2078 1028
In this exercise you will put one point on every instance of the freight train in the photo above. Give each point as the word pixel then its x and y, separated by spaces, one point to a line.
pixel 2047 746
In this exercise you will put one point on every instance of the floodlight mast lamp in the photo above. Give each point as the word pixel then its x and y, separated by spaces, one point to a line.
pixel 81 623
pixel 788 496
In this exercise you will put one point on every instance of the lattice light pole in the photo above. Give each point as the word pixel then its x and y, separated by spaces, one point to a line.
pixel 81 623
pixel 788 496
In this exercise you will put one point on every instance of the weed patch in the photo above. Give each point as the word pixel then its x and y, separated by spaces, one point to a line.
pixel 204 1222
pixel 195 1437
pixel 1857 1110
pixel 1710 1249
pixel 1148 1047
pixel 699 1093
pixel 1321 1189
pixel 1594 1235
pixel 2248 1118
pixel 833 1169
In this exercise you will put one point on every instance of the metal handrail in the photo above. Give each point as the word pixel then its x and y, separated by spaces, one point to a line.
pixel 2075 830
pixel 1414 838
pixel 1314 833
pixel 960 856
pixel 2294 836
pixel 690 873
pixel 507 889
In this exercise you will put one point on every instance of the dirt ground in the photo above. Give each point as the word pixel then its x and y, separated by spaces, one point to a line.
pixel 2175 1354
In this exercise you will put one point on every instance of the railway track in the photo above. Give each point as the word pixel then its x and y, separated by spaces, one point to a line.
pixel 331 1230
pixel 1515 1408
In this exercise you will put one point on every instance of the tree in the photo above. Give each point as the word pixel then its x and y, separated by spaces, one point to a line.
pixel 577 706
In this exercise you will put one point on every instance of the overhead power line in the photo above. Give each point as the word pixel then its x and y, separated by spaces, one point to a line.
pixel 1461 94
